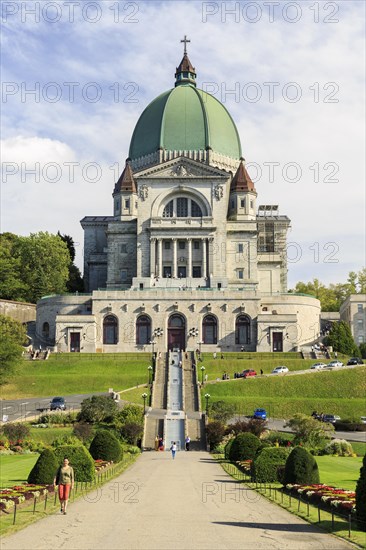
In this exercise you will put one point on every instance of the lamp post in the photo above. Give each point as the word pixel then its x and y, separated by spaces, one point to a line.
pixel 207 397
pixel 199 346
pixel 152 342
pixel 150 369
pixel 202 373
pixel 144 397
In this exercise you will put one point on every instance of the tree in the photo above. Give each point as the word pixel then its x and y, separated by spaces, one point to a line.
pixel 44 470
pixel 12 337
pixel 361 496
pixel 215 432
pixel 266 466
pixel 99 408
pixel 255 426
pixel 105 446
pixel 301 467
pixel 244 447
pixel 131 432
pixel 340 338
pixel 222 411
pixel 12 287
pixel 80 459
pixel 75 282
pixel 309 431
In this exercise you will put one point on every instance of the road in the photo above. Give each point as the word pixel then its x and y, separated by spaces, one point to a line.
pixel 189 503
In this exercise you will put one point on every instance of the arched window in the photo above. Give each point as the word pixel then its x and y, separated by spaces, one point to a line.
pixel 143 330
pixel 182 207
pixel 242 330
pixel 46 330
pixel 110 330
pixel 209 329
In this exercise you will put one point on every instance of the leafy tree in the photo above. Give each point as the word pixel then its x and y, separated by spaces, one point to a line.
pixel 215 432
pixel 255 426
pixel 221 411
pixel 131 432
pixel 340 338
pixel 361 496
pixel 44 470
pixel 16 431
pixel 83 431
pixel 12 287
pixel 130 413
pixel 75 282
pixel 309 431
pixel 99 408
pixel 301 467
pixel 362 348
pixel 12 337
pixel 105 446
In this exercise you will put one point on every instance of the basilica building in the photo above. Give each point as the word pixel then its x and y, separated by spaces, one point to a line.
pixel 189 259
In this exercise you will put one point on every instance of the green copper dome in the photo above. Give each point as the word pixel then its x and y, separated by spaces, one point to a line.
pixel 185 119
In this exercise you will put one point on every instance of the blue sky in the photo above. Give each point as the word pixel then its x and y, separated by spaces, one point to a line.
pixel 98 65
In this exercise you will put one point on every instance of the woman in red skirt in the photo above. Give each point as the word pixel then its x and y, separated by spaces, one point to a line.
pixel 64 479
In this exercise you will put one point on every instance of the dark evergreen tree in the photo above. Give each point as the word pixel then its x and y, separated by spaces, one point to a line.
pixel 105 446
pixel 44 470
pixel 301 467
pixel 80 459
pixel 361 497
pixel 244 447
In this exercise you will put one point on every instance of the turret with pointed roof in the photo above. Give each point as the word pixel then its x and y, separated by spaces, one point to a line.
pixel 125 194
pixel 242 195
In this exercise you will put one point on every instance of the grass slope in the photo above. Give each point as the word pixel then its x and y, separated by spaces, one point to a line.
pixel 340 471
pixel 14 469
pixel 68 374
pixel 340 392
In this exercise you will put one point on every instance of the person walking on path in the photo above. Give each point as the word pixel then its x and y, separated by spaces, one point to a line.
pixel 64 479
pixel 173 448
pixel 188 441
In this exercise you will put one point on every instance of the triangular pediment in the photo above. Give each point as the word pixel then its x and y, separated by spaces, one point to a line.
pixel 182 168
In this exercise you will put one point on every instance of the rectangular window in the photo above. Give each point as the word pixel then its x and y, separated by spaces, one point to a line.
pixel 124 248
pixel 240 248
pixel 196 245
pixel 182 207
pixel 196 271
pixel 242 203
pixel 251 204
pixel 240 273
pixel 127 203
pixel 182 245
pixel 123 275
pixel 360 324
pixel 360 339
pixel 167 245
pixel 359 308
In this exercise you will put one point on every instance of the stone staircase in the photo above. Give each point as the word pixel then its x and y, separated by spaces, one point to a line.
pixel 190 387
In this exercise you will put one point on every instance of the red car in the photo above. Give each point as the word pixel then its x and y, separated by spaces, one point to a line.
pixel 248 372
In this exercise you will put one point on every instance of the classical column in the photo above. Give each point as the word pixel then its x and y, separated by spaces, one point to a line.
pixel 204 258
pixel 210 266
pixel 160 257
pixel 189 266
pixel 152 257
pixel 175 258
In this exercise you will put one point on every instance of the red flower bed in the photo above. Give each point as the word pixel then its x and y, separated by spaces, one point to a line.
pixel 20 493
pixel 331 498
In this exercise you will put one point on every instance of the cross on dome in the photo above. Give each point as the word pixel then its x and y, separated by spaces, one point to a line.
pixel 185 40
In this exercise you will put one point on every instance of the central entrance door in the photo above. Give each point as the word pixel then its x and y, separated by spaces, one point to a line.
pixel 176 332
pixel 75 342
pixel 277 341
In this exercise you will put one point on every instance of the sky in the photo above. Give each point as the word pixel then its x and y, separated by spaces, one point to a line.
pixel 77 75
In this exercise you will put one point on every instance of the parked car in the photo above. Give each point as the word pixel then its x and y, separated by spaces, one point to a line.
pixel 58 404
pixel 333 364
pixel 355 361
pixel 260 413
pixel 280 370
pixel 318 366
pixel 248 372
pixel 363 419
pixel 332 418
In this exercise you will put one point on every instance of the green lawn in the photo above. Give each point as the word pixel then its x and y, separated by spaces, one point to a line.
pixel 48 435
pixel 15 469
pixel 67 374
pixel 340 392
pixel 340 471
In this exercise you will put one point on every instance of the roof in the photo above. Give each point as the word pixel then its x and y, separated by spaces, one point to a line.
pixel 126 180
pixel 241 181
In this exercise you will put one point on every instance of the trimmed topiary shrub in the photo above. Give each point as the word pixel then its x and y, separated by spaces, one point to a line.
pixel 301 467
pixel 361 497
pixel 80 459
pixel 228 447
pixel 267 465
pixel 44 470
pixel 105 446
pixel 244 447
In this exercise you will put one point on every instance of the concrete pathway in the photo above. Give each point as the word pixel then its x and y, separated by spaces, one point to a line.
pixel 160 503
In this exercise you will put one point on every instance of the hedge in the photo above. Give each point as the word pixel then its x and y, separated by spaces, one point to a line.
pixel 80 459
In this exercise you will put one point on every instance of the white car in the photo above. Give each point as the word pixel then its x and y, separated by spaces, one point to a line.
pixel 318 366
pixel 280 370
pixel 333 364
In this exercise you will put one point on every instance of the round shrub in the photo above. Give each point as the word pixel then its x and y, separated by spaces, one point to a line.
pixel 267 464
pixel 80 459
pixel 43 472
pixel 301 467
pixel 361 497
pixel 105 446
pixel 339 447
pixel 244 447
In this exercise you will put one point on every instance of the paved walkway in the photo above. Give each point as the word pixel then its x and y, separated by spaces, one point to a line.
pixel 160 503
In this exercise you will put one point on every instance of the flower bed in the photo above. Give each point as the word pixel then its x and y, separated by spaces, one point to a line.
pixel 330 498
pixel 245 465
pixel 20 493
pixel 102 464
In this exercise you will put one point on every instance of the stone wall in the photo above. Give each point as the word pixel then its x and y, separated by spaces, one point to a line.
pixel 20 311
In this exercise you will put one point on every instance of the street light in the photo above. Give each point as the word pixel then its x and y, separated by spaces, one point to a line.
pixel 144 397
pixel 200 344
pixel 152 342
pixel 202 373
pixel 150 369
pixel 207 397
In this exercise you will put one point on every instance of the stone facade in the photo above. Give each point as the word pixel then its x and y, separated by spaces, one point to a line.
pixel 353 312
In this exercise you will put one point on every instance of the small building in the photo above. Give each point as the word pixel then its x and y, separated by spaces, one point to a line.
pixel 353 312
